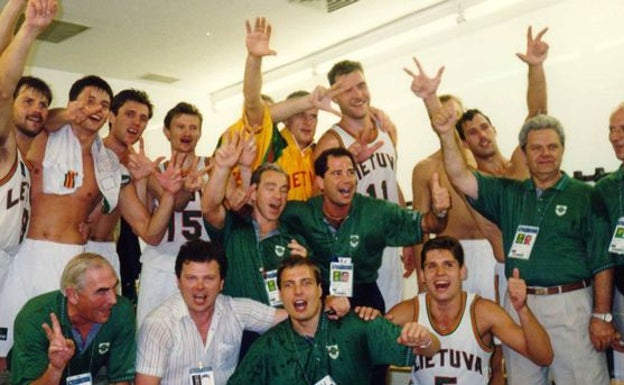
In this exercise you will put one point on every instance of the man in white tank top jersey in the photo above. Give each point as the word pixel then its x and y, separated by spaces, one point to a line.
pixel 465 323
pixel 372 141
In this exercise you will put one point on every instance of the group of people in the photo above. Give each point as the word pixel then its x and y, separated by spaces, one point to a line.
pixel 279 260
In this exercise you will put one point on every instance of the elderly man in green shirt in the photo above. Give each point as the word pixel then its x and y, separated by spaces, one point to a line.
pixel 555 232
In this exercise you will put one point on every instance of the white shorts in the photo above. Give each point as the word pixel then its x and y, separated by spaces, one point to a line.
pixel 107 250
pixel 480 262
pixel 390 276
pixel 36 269
pixel 155 286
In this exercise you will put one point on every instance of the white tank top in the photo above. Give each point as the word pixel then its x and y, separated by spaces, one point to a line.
pixel 462 359
pixel 376 175
pixel 14 205
pixel 183 226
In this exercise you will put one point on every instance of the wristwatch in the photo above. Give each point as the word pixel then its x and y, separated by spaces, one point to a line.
pixel 606 317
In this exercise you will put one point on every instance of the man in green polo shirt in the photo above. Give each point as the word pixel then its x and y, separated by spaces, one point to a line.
pixel 90 328
pixel 310 349
pixel 555 232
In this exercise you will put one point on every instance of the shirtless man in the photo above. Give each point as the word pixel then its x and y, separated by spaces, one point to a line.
pixel 23 109
pixel 72 172
pixel 480 238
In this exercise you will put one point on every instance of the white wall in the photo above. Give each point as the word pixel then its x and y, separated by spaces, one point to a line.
pixel 584 71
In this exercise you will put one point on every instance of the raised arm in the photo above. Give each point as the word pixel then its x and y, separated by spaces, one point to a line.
pixel 434 221
pixel 529 338
pixel 456 168
pixel 39 14
pixel 225 158
pixel 257 42
pixel 8 17
pixel 426 88
pixel 320 98
pixel 536 53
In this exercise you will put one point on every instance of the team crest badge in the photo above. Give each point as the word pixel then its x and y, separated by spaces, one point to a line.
pixel 103 347
pixel 279 250
pixel 560 210
pixel 333 351
pixel 354 241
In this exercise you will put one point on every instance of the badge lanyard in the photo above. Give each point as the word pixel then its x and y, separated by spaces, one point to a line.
pixel 316 353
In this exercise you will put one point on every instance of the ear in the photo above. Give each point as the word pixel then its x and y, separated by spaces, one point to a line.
pixel 167 133
pixel 320 183
pixel 463 272
pixel 221 285
pixel 72 295
pixel 253 190
pixel 421 276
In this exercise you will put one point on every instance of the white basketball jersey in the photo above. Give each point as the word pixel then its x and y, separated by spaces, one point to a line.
pixel 183 226
pixel 376 175
pixel 15 205
pixel 462 359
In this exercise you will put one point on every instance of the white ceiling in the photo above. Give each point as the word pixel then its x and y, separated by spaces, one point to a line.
pixel 128 39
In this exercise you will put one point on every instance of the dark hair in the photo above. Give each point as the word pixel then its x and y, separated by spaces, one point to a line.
pixel 343 68
pixel 466 117
pixel 320 164
pixel 180 109
pixel 89 81
pixel 131 95
pixel 294 261
pixel 198 250
pixel 256 176
pixel 34 83
pixel 443 242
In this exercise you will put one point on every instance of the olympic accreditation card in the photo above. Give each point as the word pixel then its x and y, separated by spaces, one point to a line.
pixel 617 240
pixel 523 243
pixel 341 277
pixel 80 379
pixel 270 284
pixel 201 376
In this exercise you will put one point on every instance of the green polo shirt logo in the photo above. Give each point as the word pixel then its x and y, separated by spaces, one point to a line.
pixel 560 210
pixel 333 351
pixel 279 250
pixel 103 347
pixel 354 241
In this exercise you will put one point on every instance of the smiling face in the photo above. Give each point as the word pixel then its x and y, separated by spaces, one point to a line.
pixel 301 296
pixel 130 122
pixel 339 182
pixel 96 104
pixel 354 102
pixel 184 133
pixel 200 283
pixel 270 196
pixel 442 274
pixel 544 153
pixel 616 133
pixel 303 126
pixel 30 111
pixel 92 303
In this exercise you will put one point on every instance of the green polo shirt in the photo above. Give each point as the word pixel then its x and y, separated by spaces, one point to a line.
pixel 371 226
pixel 113 346
pixel 248 257
pixel 572 241
pixel 345 349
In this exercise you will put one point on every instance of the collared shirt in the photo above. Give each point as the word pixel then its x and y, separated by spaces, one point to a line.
pixel 114 345
pixel 572 241
pixel 298 163
pixel 169 344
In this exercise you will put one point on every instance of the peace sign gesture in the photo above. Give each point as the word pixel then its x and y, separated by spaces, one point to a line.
pixel 61 349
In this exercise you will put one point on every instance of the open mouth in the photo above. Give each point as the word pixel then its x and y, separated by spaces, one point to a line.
pixel 36 118
pixel 300 305
pixel 441 285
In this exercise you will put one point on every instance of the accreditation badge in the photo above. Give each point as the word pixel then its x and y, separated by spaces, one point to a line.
pixel 617 240
pixel 201 376
pixel 270 284
pixel 80 379
pixel 523 242
pixel 327 380
pixel 341 277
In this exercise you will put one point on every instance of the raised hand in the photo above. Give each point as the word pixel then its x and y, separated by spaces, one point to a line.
pixel 258 38
pixel 194 176
pixel 297 249
pixel 517 290
pixel 444 121
pixel 250 149
pixel 139 165
pixel 40 13
pixel 322 97
pixel 61 349
pixel 424 86
pixel 336 306
pixel 171 179
pixel 440 197
pixel 537 50
pixel 228 154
